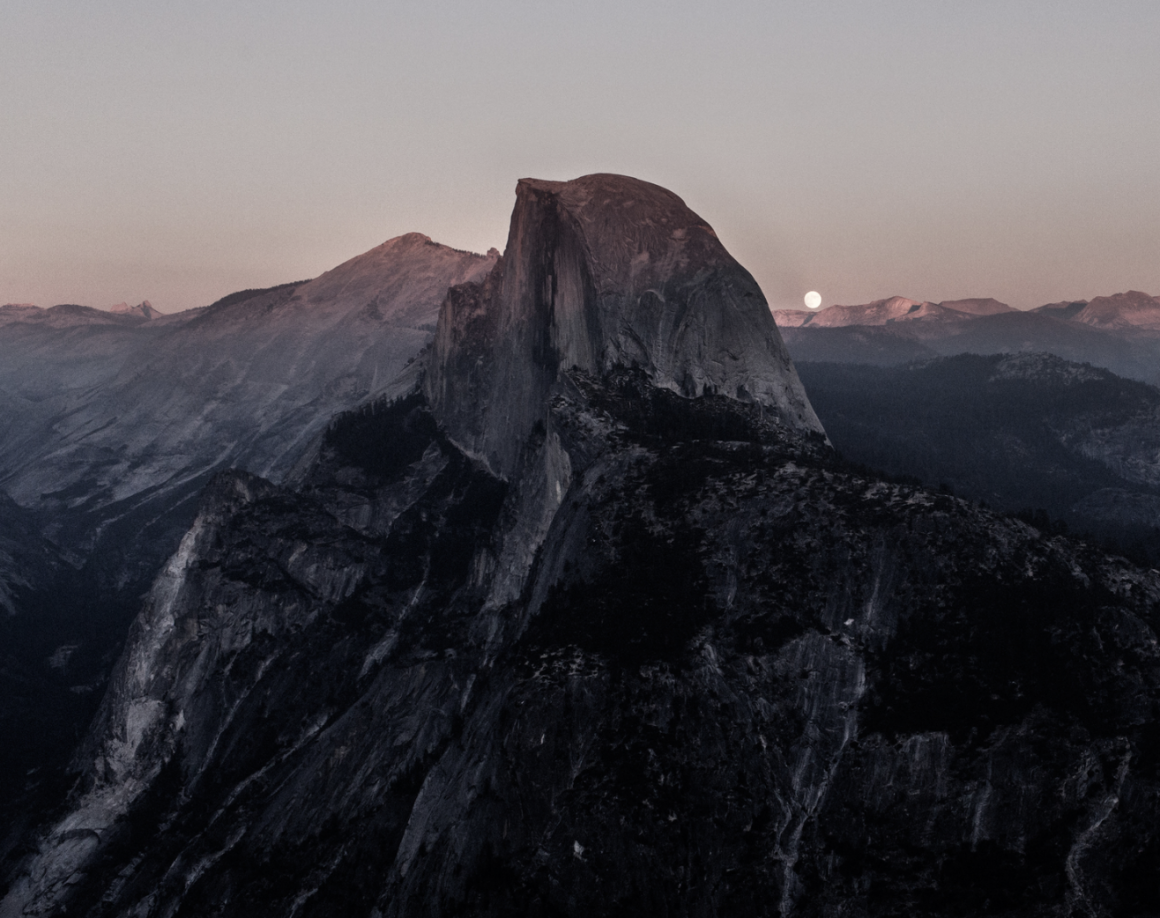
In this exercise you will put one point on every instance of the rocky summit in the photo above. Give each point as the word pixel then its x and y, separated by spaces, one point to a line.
pixel 584 616
pixel 603 272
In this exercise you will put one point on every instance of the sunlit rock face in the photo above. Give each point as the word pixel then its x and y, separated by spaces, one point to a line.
pixel 601 272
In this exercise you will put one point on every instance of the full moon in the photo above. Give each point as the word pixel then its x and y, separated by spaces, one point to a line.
pixel 813 299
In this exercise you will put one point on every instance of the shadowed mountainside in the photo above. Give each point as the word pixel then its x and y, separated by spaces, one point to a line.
pixel 1021 432
pixel 98 426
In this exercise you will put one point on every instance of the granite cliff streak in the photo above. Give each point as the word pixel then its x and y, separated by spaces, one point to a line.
pixel 590 620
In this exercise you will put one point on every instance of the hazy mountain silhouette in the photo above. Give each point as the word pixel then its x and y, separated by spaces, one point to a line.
pixel 1121 332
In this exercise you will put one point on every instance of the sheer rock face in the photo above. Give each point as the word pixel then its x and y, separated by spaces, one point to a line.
pixel 601 272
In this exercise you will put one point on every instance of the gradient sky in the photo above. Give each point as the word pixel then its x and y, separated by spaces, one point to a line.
pixel 177 152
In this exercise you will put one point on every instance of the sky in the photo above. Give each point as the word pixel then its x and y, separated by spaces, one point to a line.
pixel 178 152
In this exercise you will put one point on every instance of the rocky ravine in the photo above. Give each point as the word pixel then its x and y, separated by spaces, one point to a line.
pixel 662 655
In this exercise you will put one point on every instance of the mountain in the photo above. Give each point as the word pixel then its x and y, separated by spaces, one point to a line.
pixel 145 310
pixel 635 279
pixel 112 423
pixel 98 426
pixel 108 434
pixel 1118 332
pixel 1132 311
pixel 69 315
pixel 1062 310
pixel 889 311
pixel 1021 431
pixel 584 616
pixel 977 306
pixel 866 344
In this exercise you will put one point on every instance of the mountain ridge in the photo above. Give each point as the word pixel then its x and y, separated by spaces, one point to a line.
pixel 1131 309
pixel 1117 332
pixel 1069 443
pixel 111 428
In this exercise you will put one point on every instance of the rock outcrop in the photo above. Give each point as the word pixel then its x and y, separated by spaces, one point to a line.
pixel 602 272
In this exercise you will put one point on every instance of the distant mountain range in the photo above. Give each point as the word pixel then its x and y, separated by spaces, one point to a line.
pixel 1119 332
pixel 71 315
pixel 1051 417
pixel 888 311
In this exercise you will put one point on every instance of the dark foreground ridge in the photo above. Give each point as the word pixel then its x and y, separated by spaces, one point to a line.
pixel 675 660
